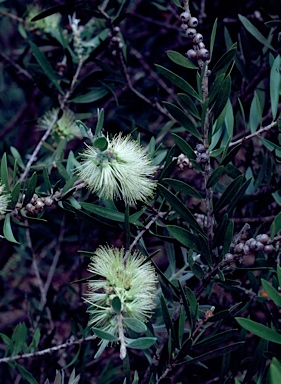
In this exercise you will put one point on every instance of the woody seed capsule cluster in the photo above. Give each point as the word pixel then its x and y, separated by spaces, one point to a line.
pixel 189 24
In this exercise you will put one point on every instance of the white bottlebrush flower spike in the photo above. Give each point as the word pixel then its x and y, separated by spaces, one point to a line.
pixel 65 127
pixel 4 200
pixel 133 282
pixel 122 171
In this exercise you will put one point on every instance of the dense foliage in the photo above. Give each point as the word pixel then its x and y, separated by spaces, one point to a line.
pixel 140 191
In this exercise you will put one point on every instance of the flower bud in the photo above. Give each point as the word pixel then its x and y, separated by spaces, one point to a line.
pixel 190 32
pixel 39 204
pixel 228 257
pixel 48 201
pixel 193 22
pixel 201 45
pixel 184 27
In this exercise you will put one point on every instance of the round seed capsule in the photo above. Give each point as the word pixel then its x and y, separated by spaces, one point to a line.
pixel 198 38
pixel 268 248
pixel 193 22
pixel 39 204
pixel 190 32
pixel 191 54
pixel 200 148
pixel 228 257
pixel 184 27
pixel 48 201
pixel 185 16
pixel 203 53
pixel 239 247
pixel 263 238
pixel 201 45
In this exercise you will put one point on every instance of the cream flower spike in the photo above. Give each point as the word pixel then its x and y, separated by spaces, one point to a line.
pixel 122 171
pixel 133 282
pixel 4 200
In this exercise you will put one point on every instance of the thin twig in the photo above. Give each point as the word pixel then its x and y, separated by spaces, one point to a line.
pixel 43 352
pixel 17 67
pixel 37 149
pixel 11 16
pixel 141 233
pixel 257 133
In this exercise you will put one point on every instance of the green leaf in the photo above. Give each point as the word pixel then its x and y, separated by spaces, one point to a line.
pixel 279 275
pixel 220 231
pixel 185 237
pixel 17 156
pixel 101 143
pixel 193 305
pixel 222 97
pixel 135 324
pixel 7 230
pixel 4 173
pixel 47 180
pixel 275 226
pixel 215 87
pixel 213 37
pixel 215 176
pixel 180 208
pixel 45 65
pixel 228 194
pixel 184 147
pixel 238 194
pixel 142 343
pixel 180 186
pixel 226 158
pixel 213 354
pixel 15 195
pixel 228 237
pixel 271 146
pixel 167 318
pixel 255 113
pixel 260 330
pixel 94 95
pixel 83 128
pixel 178 81
pixel 105 335
pixel 26 375
pixel 226 59
pixel 116 304
pixel 272 292
pixel 104 212
pixel 179 59
pixel 274 372
pixel 19 338
pixel 182 118
pixel 100 122
pixel 188 104
pixel 254 31
pixel 30 189
pixel 275 84
pixel 217 339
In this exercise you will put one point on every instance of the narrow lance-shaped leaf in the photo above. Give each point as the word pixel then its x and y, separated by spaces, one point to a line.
pixel 226 59
pixel 182 118
pixel 4 173
pixel 178 81
pixel 260 330
pixel 142 343
pixel 213 36
pixel 183 187
pixel 228 193
pixel 254 31
pixel 45 65
pixel 255 113
pixel 275 83
pixel 272 292
pixel 184 147
pixel 275 226
pixel 7 230
pixel 222 97
pixel 179 59
pixel 188 104
pixel 180 208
